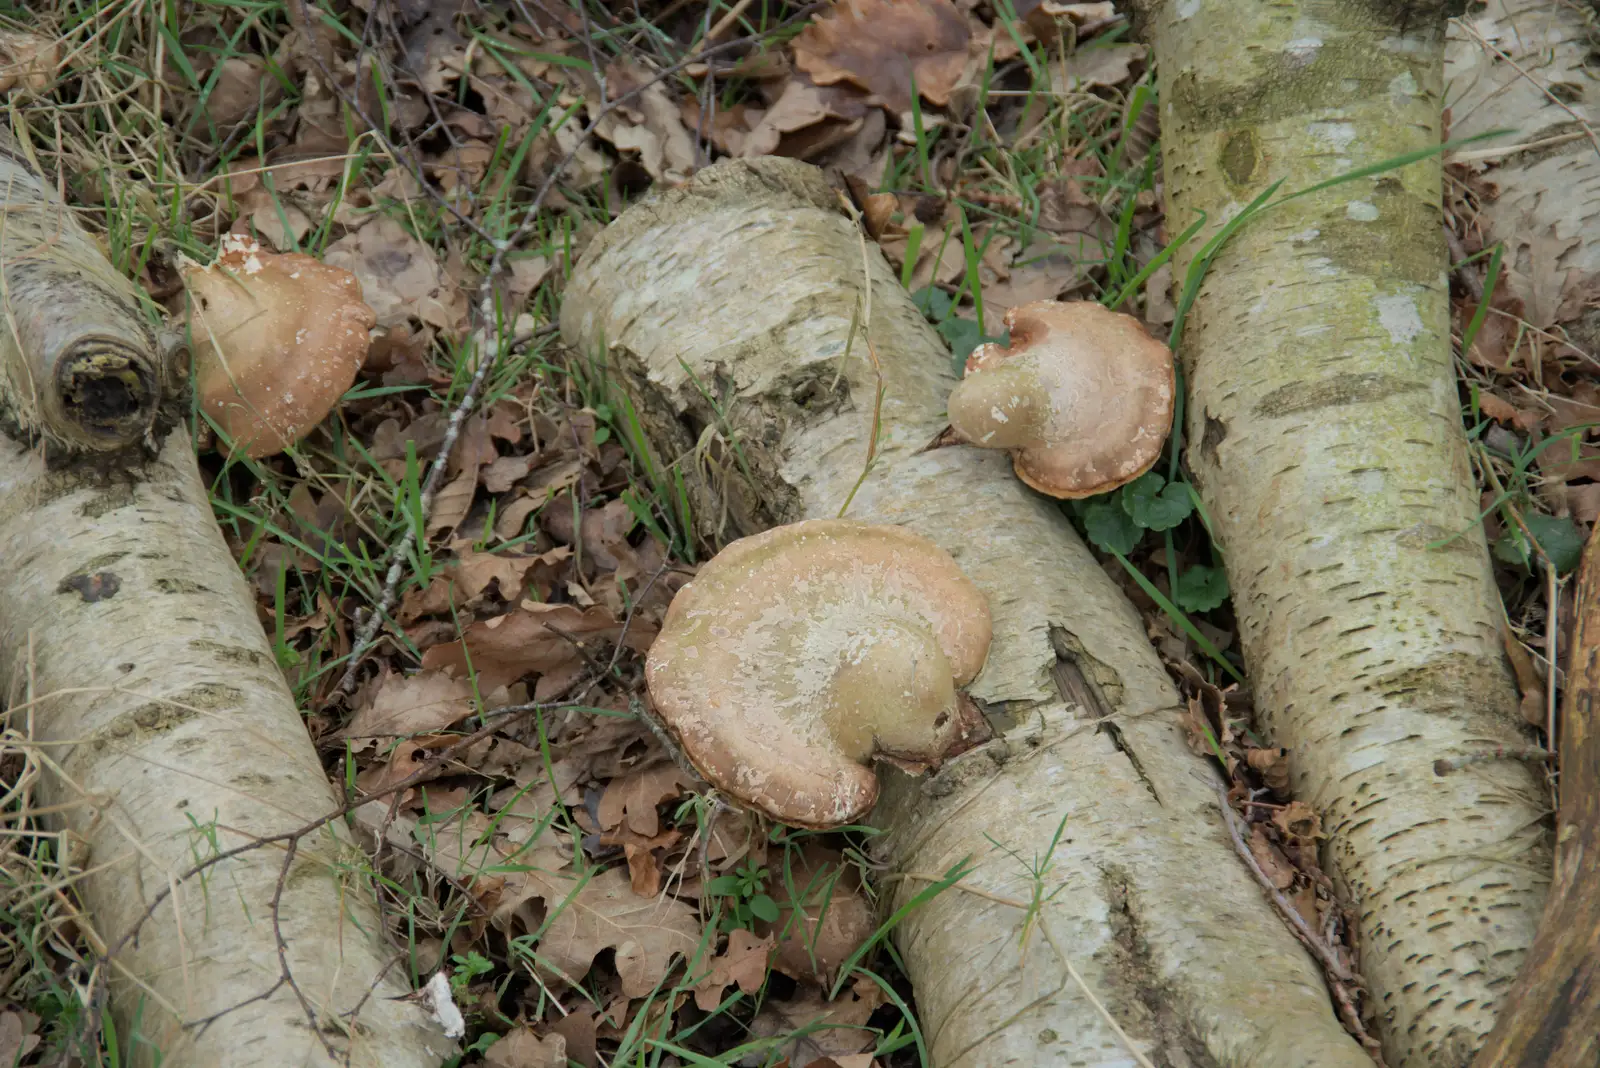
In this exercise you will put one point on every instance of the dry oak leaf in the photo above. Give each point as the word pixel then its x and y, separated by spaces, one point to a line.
pixel 801 106
pixel 881 45
pixel 27 58
pixel 633 797
pixel 428 701
pixel 400 276
pixel 241 86
pixel 838 1033
pixel 18 1035
pixel 584 916
pixel 656 132
pixel 523 1048
pixel 1099 65
pixel 835 917
pixel 1273 863
pixel 744 962
pixel 578 1027
pixel 535 638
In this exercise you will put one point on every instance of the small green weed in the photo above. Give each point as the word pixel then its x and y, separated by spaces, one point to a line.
pixel 742 897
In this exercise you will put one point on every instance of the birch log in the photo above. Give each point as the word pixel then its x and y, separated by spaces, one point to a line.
pixel 1324 432
pixel 1524 65
pixel 129 641
pixel 724 308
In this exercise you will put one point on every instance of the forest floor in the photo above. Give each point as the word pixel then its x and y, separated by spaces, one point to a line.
pixel 588 900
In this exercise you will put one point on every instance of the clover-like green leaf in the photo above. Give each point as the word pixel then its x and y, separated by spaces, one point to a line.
pixel 1109 526
pixel 1201 588
pixel 1559 537
pixel 1156 504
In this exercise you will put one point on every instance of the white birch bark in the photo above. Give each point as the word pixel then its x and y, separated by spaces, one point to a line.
pixel 740 286
pixel 129 641
pixel 1324 432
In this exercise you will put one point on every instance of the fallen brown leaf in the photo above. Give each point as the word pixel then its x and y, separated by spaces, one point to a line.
pixel 744 963
pixel 523 1048
pixel 1273 766
pixel 1095 66
pixel 1273 863
pixel 633 797
pixel 28 59
pixel 835 917
pixel 400 276
pixel 881 45
pixel 535 638
pixel 18 1035
pixel 840 1033
pixel 406 705
pixel 603 913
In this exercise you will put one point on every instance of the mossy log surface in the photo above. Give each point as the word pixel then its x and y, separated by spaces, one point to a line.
pixel 1324 433
pixel 723 309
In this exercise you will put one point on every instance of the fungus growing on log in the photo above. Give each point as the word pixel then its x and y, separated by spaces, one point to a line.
pixel 1082 398
pixel 277 340
pixel 799 655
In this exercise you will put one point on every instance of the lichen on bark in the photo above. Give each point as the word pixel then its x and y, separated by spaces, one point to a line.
pixel 1325 435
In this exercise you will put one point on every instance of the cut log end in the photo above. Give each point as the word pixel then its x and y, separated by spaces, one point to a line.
pixel 106 394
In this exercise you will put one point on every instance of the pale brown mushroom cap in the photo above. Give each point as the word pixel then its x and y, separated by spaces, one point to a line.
pixel 797 655
pixel 277 338
pixel 1083 397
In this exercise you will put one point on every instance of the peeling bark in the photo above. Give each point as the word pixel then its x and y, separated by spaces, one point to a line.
pixel 1527 66
pixel 1324 433
pixel 129 640
pixel 727 304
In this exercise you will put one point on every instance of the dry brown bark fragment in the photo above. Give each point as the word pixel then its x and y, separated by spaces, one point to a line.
pixel 1552 1016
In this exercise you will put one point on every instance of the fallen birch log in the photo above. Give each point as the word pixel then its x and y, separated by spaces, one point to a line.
pixel 724 308
pixel 129 641
pixel 1501 63
pixel 1324 434
pixel 1552 1015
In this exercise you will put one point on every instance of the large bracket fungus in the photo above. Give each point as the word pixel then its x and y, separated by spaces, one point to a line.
pixel 277 341
pixel 1083 397
pixel 799 655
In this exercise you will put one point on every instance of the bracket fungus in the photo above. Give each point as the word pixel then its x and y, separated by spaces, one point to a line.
pixel 799 655
pixel 1083 397
pixel 278 338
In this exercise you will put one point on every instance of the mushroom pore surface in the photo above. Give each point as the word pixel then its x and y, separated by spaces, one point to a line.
pixel 1083 397
pixel 799 654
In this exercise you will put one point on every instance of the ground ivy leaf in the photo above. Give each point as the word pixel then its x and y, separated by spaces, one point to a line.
pixel 963 336
pixel 1512 548
pixel 1201 588
pixel 1156 504
pixel 933 302
pixel 1110 528
pixel 1559 537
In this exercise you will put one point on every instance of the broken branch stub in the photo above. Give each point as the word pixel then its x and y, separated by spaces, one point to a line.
pixel 77 358
pixel 1082 398
pixel 799 655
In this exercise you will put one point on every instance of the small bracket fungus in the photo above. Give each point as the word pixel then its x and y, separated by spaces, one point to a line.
pixel 798 655
pixel 277 341
pixel 1082 398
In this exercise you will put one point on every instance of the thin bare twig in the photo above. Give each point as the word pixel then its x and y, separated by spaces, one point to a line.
pixel 1330 961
